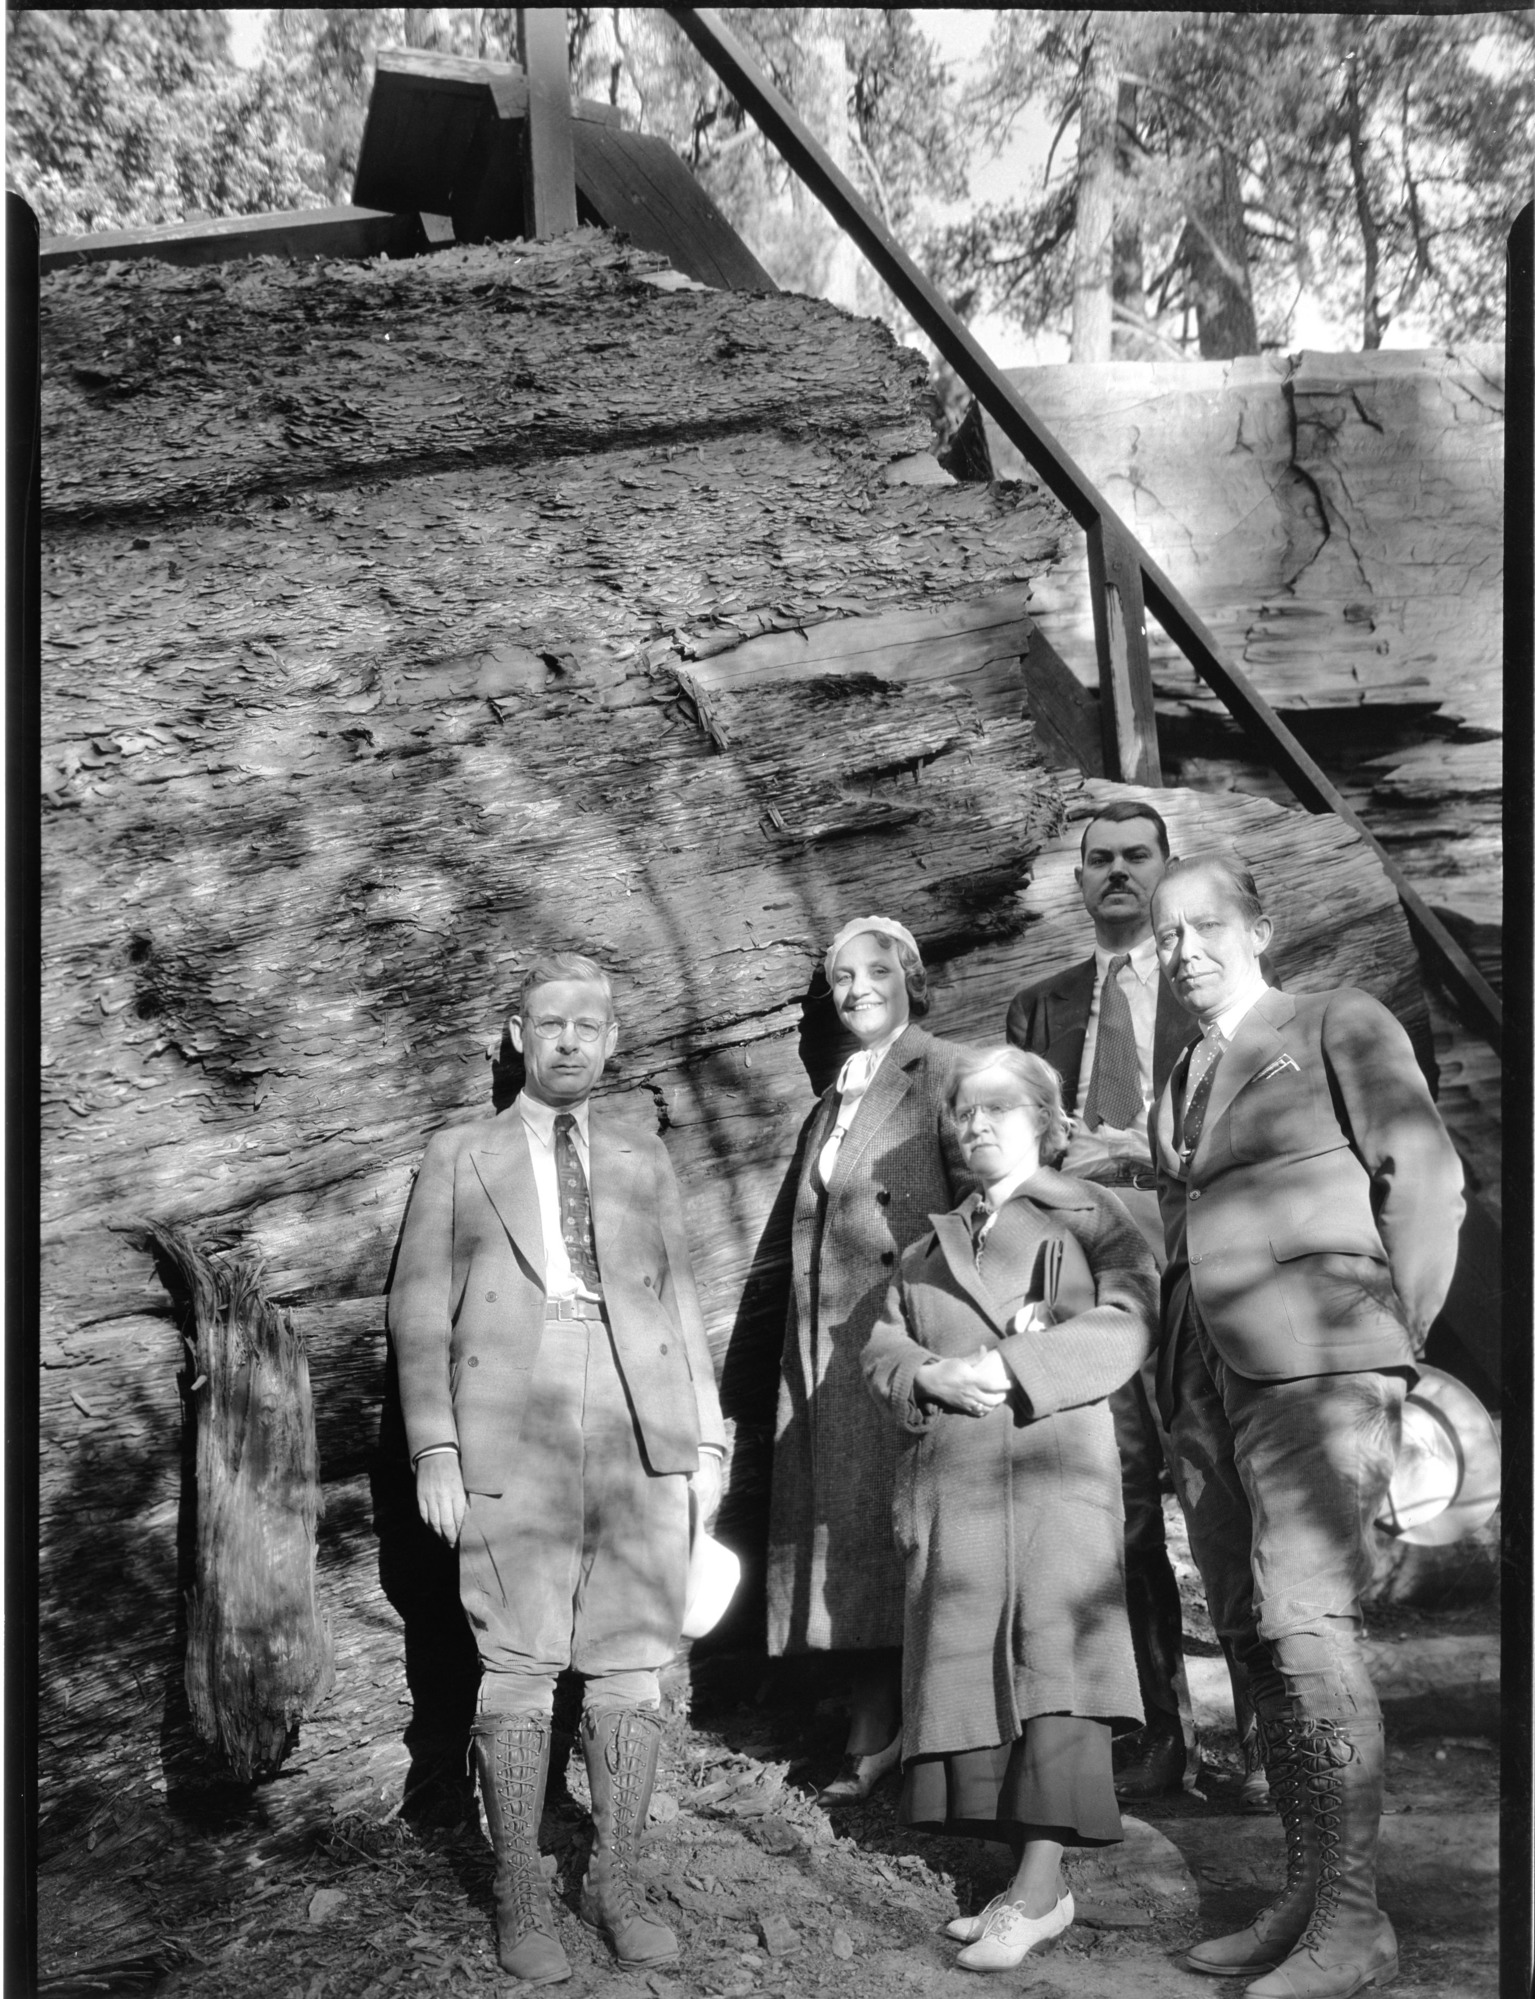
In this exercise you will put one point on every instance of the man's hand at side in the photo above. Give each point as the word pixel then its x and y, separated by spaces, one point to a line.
pixel 440 1494
pixel 707 1482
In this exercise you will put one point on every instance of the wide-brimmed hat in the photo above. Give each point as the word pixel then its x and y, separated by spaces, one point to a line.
pixel 714 1571
pixel 1448 1476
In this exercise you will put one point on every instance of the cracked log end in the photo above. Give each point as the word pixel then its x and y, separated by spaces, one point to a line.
pixel 259 1656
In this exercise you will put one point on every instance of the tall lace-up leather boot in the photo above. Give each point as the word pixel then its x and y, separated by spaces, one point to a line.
pixel 621 1746
pixel 1349 1943
pixel 511 1753
pixel 1274 1932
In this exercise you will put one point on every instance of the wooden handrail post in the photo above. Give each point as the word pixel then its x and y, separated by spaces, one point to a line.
pixel 549 157
pixel 1129 714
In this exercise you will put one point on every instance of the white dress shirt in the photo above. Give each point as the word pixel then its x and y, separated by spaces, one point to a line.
pixel 1231 1016
pixel 559 1278
pixel 1140 982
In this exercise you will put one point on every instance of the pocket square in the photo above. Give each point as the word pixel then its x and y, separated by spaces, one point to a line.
pixel 1277 1068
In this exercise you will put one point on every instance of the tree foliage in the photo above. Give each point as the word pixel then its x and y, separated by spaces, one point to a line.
pixel 1373 163
pixel 118 117
pixel 865 79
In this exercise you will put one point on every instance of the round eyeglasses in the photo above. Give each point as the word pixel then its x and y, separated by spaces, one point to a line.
pixel 993 1113
pixel 549 1027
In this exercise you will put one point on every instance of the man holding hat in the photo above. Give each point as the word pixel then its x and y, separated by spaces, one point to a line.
pixel 1312 1203
pixel 559 1402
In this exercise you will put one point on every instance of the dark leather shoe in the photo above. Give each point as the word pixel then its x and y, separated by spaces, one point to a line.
pixel 859 1774
pixel 1151 1762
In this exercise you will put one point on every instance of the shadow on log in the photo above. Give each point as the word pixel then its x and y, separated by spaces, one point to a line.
pixel 259 1657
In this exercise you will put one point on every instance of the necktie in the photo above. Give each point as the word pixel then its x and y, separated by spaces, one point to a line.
pixel 1203 1062
pixel 575 1205
pixel 852 1087
pixel 982 1218
pixel 1114 1094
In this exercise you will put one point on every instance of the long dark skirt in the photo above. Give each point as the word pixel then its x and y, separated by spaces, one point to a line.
pixel 1056 1781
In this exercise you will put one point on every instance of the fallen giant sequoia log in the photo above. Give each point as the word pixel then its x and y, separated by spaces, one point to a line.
pixel 401 621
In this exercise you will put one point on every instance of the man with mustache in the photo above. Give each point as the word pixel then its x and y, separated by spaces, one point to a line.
pixel 1113 1028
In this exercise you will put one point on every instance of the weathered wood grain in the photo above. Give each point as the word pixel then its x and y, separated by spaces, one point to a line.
pixel 258 1653
pixel 634 182
pixel 320 232
pixel 175 390
pixel 1335 518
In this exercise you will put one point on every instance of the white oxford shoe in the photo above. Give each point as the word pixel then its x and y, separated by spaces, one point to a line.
pixel 1010 1935
pixel 965 1929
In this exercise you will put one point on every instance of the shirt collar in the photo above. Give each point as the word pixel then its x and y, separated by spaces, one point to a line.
pixel 1044 1185
pixel 1143 960
pixel 1230 1018
pixel 539 1117
pixel 865 1062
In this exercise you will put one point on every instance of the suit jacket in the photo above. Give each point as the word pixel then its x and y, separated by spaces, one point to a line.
pixel 1317 1226
pixel 466 1312
pixel 1050 1019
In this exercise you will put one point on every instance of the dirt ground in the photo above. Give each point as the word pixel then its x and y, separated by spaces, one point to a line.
pixel 771 1895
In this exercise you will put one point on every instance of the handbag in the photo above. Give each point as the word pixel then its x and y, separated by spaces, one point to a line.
pixel 1063 1280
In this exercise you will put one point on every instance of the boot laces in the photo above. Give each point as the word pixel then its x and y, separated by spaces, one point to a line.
pixel 627 1756
pixel 1325 1750
pixel 516 1768
pixel 1277 1746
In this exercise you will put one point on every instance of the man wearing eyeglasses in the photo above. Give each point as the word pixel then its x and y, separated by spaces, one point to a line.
pixel 559 1402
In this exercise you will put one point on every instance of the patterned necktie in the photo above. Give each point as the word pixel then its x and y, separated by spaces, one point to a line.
pixel 575 1205
pixel 1204 1060
pixel 1114 1094
pixel 982 1220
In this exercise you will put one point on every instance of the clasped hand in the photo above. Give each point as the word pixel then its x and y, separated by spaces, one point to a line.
pixel 973 1385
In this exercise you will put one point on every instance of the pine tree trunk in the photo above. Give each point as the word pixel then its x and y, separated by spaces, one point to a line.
pixel 1129 260
pixel 1092 298
pixel 1219 279
pixel 827 66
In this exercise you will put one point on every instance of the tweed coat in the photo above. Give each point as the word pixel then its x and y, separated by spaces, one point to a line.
pixel 833 1574
pixel 466 1310
pixel 1317 1223
pixel 1011 1525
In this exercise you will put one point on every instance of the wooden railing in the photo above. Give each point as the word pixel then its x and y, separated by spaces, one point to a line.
pixel 1125 582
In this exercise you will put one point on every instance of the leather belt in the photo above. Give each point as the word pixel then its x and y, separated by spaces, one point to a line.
pixel 572 1308
pixel 1122 1173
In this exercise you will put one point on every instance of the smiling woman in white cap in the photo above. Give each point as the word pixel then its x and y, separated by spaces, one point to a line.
pixel 872 1168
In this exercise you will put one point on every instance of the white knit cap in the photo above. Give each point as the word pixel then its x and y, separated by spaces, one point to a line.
pixel 884 926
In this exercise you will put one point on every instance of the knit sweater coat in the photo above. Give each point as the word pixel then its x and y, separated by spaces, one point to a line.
pixel 834 1577
pixel 1011 1525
